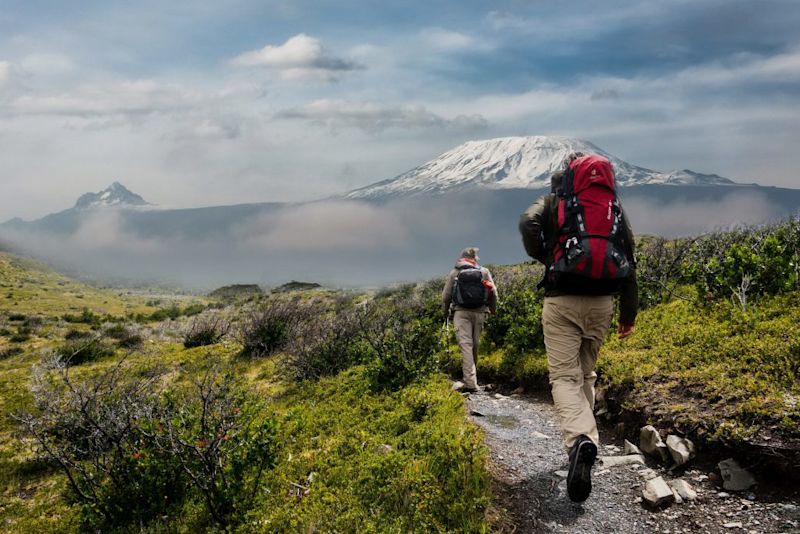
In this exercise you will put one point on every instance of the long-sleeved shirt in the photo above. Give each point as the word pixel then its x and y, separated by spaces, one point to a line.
pixel 537 229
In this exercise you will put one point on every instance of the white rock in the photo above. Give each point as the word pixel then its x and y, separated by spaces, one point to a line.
pixel 657 493
pixel 499 396
pixel 647 474
pixel 684 489
pixel 562 473
pixel 681 449
pixel 539 435
pixel 458 385
pixel 651 443
pixel 677 496
pixel 736 524
pixel 613 461
pixel 630 448
pixel 734 476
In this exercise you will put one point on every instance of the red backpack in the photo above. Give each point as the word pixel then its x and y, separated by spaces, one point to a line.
pixel 587 247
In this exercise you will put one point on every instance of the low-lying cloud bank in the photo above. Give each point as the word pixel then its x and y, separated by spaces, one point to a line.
pixel 341 243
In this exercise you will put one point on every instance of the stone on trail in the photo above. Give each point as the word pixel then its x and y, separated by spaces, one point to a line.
pixel 647 474
pixel 651 443
pixel 458 385
pixel 735 524
pixel 539 435
pixel 630 448
pixel 734 476
pixel 562 473
pixel 681 449
pixel 657 493
pixel 684 489
pixel 613 461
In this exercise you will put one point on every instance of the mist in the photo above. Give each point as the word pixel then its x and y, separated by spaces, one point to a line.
pixel 344 243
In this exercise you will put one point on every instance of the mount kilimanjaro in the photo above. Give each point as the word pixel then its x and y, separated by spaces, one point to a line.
pixel 516 163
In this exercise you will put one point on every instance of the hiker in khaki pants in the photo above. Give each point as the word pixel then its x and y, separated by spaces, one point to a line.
pixel 470 291
pixel 582 236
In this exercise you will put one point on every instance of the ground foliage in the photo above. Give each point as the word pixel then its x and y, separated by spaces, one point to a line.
pixel 342 423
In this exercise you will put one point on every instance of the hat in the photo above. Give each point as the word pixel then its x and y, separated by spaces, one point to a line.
pixel 470 252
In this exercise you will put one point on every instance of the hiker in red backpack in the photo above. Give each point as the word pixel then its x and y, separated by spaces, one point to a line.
pixel 580 233
pixel 470 293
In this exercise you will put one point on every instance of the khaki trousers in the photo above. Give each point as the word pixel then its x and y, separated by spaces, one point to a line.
pixel 468 324
pixel 574 329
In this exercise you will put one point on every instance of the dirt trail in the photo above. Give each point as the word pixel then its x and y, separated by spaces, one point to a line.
pixel 530 464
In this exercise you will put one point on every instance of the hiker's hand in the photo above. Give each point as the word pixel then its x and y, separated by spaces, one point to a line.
pixel 625 330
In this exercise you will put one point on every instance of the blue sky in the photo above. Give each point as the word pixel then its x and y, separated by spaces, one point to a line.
pixel 197 103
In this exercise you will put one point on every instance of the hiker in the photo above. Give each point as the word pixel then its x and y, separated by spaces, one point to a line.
pixel 581 235
pixel 469 294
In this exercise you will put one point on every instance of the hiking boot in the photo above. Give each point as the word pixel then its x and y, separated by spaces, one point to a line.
pixel 581 459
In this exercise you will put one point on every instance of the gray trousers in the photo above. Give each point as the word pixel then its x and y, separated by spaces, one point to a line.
pixel 468 325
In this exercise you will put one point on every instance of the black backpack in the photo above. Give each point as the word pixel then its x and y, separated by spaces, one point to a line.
pixel 468 288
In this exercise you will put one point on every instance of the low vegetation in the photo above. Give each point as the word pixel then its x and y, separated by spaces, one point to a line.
pixel 325 411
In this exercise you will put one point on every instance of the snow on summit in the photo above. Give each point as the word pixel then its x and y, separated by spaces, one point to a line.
pixel 116 195
pixel 515 163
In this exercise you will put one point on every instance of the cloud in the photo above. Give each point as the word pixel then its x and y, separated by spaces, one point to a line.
pixel 327 226
pixel 685 217
pixel 443 39
pixel 132 97
pixel 375 118
pixel 5 73
pixel 606 94
pixel 46 64
pixel 300 58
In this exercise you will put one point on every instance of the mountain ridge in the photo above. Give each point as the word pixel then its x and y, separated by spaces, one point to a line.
pixel 516 163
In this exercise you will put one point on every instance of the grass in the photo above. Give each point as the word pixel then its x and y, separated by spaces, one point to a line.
pixel 735 373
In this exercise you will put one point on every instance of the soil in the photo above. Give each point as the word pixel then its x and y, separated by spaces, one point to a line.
pixel 529 463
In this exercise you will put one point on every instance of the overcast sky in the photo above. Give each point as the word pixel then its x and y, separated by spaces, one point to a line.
pixel 198 102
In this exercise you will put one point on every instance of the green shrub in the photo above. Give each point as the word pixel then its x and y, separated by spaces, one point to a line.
pixel 267 328
pixel 22 335
pixel 326 345
pixel 204 331
pixel 132 454
pixel 10 352
pixel 193 309
pixel 117 476
pixel 126 337
pixel 83 349
pixel 405 350
pixel 77 334
pixel 516 327
pixel 747 263
pixel 86 316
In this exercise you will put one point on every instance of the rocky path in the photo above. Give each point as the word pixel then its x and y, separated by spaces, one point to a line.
pixel 530 467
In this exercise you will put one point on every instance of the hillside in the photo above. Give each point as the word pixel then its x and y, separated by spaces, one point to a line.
pixel 310 439
pixel 327 409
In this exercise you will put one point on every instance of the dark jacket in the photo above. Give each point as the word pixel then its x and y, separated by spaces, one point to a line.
pixel 536 229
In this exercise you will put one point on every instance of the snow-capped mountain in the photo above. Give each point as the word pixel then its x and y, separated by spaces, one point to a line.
pixel 515 163
pixel 115 195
